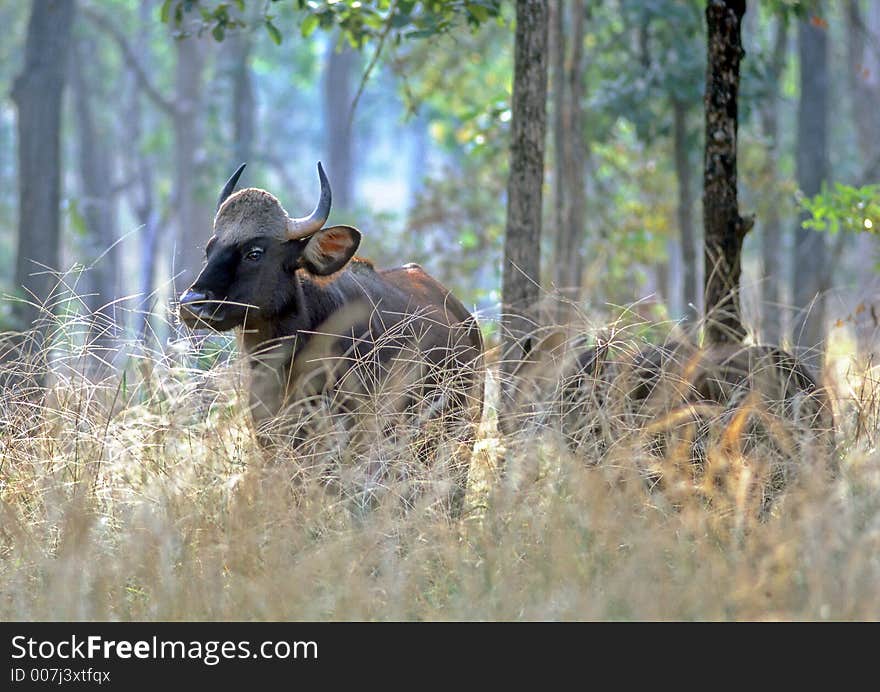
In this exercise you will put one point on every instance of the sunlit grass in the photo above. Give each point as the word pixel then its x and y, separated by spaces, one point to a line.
pixel 146 496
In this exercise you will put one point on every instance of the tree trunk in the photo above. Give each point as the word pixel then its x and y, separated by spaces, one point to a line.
pixel 863 75
pixel 725 229
pixel 556 38
pixel 244 102
pixel 771 224
pixel 571 156
pixel 691 284
pixel 98 284
pixel 338 96
pixel 522 244
pixel 863 56
pixel 812 171
pixel 143 196
pixel 575 169
pixel 37 93
pixel 193 215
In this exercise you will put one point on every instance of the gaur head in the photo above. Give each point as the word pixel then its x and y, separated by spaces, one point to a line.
pixel 254 254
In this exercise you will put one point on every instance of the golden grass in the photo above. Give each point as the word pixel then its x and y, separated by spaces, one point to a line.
pixel 146 497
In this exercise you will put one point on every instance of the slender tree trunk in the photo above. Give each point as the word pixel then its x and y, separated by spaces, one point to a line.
pixel 139 168
pixel 863 75
pixel 771 225
pixel 664 273
pixel 812 170
pixel 575 173
pixel 571 157
pixel 863 56
pixel 725 229
pixel 193 215
pixel 691 283
pixel 37 93
pixel 556 38
pixel 244 102
pixel 143 196
pixel 339 90
pixel 98 284
pixel 522 244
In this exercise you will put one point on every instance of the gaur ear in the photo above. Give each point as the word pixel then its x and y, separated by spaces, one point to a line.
pixel 330 249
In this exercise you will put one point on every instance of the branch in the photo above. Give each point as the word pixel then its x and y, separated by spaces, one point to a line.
pixel 131 58
pixel 373 61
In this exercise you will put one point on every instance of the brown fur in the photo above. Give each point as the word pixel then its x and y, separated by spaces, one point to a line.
pixel 675 393
pixel 249 213
pixel 340 347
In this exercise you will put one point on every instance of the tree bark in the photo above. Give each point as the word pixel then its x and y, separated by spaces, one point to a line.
pixel 771 225
pixel 137 60
pixel 520 290
pixel 338 96
pixel 142 193
pixel 863 74
pixel 812 170
pixel 244 101
pixel 575 173
pixel 556 39
pixel 863 82
pixel 193 214
pixel 725 229
pixel 691 283
pixel 98 284
pixel 37 93
pixel 571 164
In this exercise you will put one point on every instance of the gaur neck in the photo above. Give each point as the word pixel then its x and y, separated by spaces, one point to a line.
pixel 310 304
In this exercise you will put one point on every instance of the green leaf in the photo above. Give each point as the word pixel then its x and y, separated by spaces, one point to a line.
pixel 274 33
pixel 309 25
pixel 478 12
pixel 468 240
pixel 218 33
pixel 165 12
pixel 424 33
pixel 400 20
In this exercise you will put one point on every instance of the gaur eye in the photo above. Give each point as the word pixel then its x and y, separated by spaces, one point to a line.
pixel 255 254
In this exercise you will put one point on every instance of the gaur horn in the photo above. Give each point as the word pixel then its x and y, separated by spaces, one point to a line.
pixel 230 186
pixel 305 226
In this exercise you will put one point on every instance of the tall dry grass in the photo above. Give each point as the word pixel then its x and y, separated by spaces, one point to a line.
pixel 139 492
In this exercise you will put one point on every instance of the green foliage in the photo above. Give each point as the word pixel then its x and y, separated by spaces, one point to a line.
pixel 638 210
pixel 791 8
pixel 655 54
pixel 463 84
pixel 456 228
pixel 843 208
pixel 358 21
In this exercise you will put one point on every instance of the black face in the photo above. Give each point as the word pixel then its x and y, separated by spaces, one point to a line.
pixel 252 279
